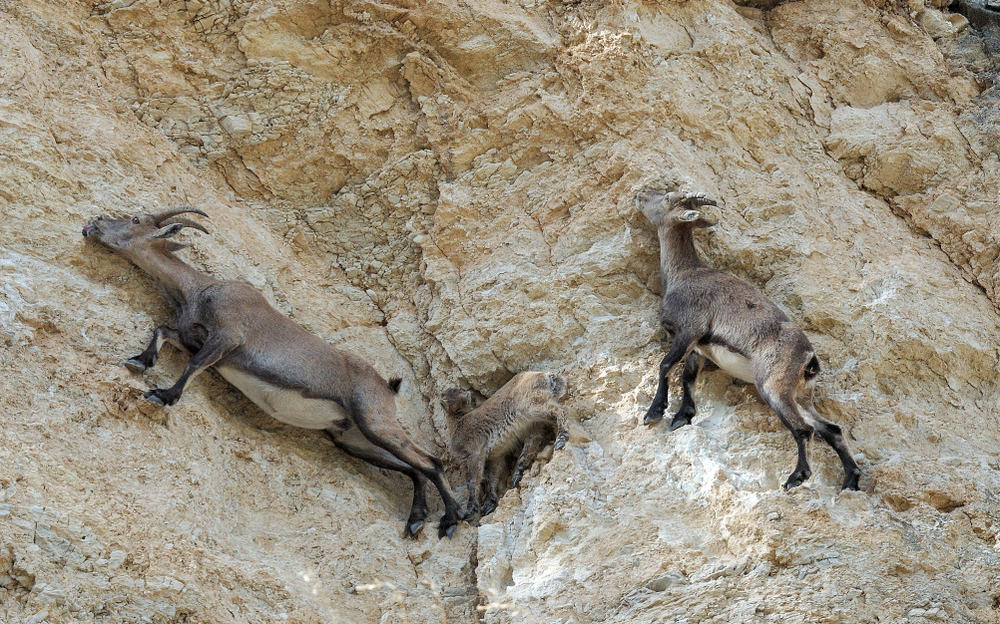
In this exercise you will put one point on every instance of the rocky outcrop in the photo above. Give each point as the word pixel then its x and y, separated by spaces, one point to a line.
pixel 446 188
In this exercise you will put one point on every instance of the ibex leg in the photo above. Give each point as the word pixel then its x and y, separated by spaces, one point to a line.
pixel 355 444
pixel 214 349
pixel 147 359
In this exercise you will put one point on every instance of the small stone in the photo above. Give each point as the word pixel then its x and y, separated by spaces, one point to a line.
pixel 236 125
pixel 936 25
pixel 116 558
pixel 47 594
pixel 37 618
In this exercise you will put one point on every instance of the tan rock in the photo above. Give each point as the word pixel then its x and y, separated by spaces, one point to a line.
pixel 446 188
pixel 936 24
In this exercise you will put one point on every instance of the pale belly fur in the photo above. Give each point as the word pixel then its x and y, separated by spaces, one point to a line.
pixel 288 406
pixel 729 361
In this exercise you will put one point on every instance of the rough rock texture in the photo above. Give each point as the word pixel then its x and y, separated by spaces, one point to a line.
pixel 446 188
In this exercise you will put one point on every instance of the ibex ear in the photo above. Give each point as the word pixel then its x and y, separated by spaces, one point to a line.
pixel 171 246
pixel 697 218
pixel 168 230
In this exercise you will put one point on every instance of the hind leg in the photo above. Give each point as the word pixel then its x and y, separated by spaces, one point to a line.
pixel 475 466
pixel 692 366
pixel 382 430
pixel 355 444
pixel 779 393
pixel 491 482
pixel 832 435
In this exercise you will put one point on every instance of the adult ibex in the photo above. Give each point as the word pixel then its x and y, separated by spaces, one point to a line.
pixel 291 374
pixel 712 314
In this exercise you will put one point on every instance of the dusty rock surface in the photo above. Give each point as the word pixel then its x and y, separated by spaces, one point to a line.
pixel 446 188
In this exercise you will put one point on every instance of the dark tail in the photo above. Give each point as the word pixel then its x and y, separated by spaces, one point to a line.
pixel 812 368
pixel 394 384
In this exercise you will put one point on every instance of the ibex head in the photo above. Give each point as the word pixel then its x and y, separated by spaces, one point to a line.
pixel 675 208
pixel 141 230
pixel 456 402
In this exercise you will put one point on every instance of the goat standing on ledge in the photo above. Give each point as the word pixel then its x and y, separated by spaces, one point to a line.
pixel 712 314
pixel 292 375
pixel 525 411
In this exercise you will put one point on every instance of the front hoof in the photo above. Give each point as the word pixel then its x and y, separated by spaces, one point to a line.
pixel 851 481
pixel 154 397
pixel 679 421
pixel 413 529
pixel 446 529
pixel 489 505
pixel 134 365
pixel 561 439
pixel 159 397
pixel 515 478
pixel 652 417
pixel 797 479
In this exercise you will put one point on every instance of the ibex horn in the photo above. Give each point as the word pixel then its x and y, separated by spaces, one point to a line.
pixel 176 211
pixel 185 222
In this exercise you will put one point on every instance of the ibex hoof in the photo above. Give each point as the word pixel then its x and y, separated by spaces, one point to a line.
pixel 851 481
pixel 489 506
pixel 515 478
pixel 161 397
pixel 446 530
pixel 797 479
pixel 413 529
pixel 652 417
pixel 154 398
pixel 561 438
pixel 470 515
pixel 679 421
pixel 134 365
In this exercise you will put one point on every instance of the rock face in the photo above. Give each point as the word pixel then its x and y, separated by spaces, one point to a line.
pixel 446 188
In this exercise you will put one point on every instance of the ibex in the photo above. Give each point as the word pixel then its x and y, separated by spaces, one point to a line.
pixel 525 411
pixel 714 315
pixel 289 373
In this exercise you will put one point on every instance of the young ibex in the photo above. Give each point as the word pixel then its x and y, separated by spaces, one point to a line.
pixel 525 410
pixel 714 315
pixel 292 375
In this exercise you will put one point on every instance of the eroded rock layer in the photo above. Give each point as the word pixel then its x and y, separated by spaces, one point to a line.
pixel 446 189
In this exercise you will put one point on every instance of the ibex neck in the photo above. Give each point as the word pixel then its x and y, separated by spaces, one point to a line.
pixel 179 279
pixel 677 253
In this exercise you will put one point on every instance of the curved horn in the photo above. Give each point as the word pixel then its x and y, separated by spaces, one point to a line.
pixel 185 222
pixel 176 211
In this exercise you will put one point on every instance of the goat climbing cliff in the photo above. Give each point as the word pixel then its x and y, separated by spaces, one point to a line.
pixel 446 189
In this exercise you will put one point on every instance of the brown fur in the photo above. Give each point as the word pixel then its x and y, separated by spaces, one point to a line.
pixel 708 311
pixel 524 413
pixel 230 325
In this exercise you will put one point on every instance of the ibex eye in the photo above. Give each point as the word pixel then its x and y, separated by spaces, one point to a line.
pixel 135 219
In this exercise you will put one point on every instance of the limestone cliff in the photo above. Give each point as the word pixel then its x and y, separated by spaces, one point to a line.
pixel 446 188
